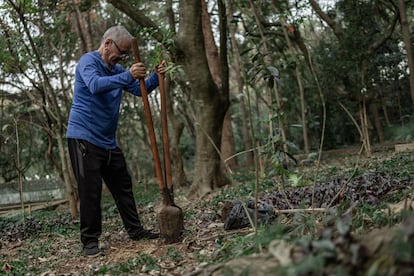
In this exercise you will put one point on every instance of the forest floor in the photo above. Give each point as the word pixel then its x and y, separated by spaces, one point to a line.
pixel 361 224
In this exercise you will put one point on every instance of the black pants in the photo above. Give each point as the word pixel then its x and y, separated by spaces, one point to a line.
pixel 91 165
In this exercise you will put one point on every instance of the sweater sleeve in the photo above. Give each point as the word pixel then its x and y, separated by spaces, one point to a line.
pixel 150 83
pixel 99 79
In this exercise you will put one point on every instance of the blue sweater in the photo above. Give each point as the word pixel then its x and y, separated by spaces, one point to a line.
pixel 97 98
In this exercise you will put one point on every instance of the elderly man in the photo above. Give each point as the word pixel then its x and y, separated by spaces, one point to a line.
pixel 94 152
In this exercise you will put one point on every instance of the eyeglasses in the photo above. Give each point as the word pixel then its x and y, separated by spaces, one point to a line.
pixel 122 54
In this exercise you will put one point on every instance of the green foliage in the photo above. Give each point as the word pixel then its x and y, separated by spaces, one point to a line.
pixel 348 70
pixel 401 132
pixel 343 65
pixel 311 265
pixel 174 254
pixel 36 36
pixel 319 238
pixel 146 193
pixel 233 248
pixel 272 231
pixel 402 250
pixel 338 64
pixel 143 262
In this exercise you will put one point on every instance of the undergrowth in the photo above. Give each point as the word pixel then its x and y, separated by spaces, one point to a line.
pixel 323 238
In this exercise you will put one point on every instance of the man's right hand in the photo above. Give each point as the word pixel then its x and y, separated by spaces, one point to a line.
pixel 138 70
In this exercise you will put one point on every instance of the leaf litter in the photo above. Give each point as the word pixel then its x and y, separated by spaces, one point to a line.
pixel 34 247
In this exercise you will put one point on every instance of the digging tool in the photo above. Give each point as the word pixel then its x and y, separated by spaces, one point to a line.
pixel 170 216
pixel 173 229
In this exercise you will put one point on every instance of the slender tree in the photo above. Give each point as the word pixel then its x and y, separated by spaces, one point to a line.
pixel 405 29
pixel 238 70
pixel 33 60
pixel 214 62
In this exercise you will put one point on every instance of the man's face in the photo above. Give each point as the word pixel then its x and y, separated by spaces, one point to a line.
pixel 117 51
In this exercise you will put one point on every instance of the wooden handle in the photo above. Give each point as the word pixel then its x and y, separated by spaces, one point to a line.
pixel 165 137
pixel 148 117
pixel 135 50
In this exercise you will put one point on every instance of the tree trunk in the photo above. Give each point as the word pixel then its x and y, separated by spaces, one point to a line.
pixel 365 128
pixel 280 118
pixel 303 111
pixel 267 63
pixel 212 52
pixel 82 26
pixel 300 86
pixel 70 183
pixel 408 46
pixel 47 99
pixel 19 170
pixel 210 103
pixel 227 139
pixel 377 122
pixel 238 69
pixel 227 142
pixel 384 108
pixel 179 175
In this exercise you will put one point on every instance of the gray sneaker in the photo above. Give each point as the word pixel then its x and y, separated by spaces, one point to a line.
pixel 92 250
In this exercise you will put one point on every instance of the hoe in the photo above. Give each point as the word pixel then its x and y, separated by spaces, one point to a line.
pixel 170 216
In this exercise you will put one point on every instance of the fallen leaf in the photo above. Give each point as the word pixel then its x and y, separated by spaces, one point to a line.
pixel 6 268
pixel 281 250
pixel 400 206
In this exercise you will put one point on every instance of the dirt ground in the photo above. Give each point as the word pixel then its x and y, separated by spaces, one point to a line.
pixel 193 253
pixel 191 256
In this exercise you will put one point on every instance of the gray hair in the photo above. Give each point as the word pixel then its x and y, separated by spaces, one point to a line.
pixel 117 33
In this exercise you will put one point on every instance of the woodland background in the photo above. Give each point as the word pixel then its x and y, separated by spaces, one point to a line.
pixel 249 81
pixel 297 106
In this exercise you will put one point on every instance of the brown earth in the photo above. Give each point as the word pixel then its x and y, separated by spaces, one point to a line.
pixel 192 255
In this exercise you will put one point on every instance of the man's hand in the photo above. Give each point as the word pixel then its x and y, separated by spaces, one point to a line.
pixel 162 67
pixel 138 70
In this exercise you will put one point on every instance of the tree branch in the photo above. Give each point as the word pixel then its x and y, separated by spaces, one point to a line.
pixel 325 17
pixel 385 37
pixel 138 16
